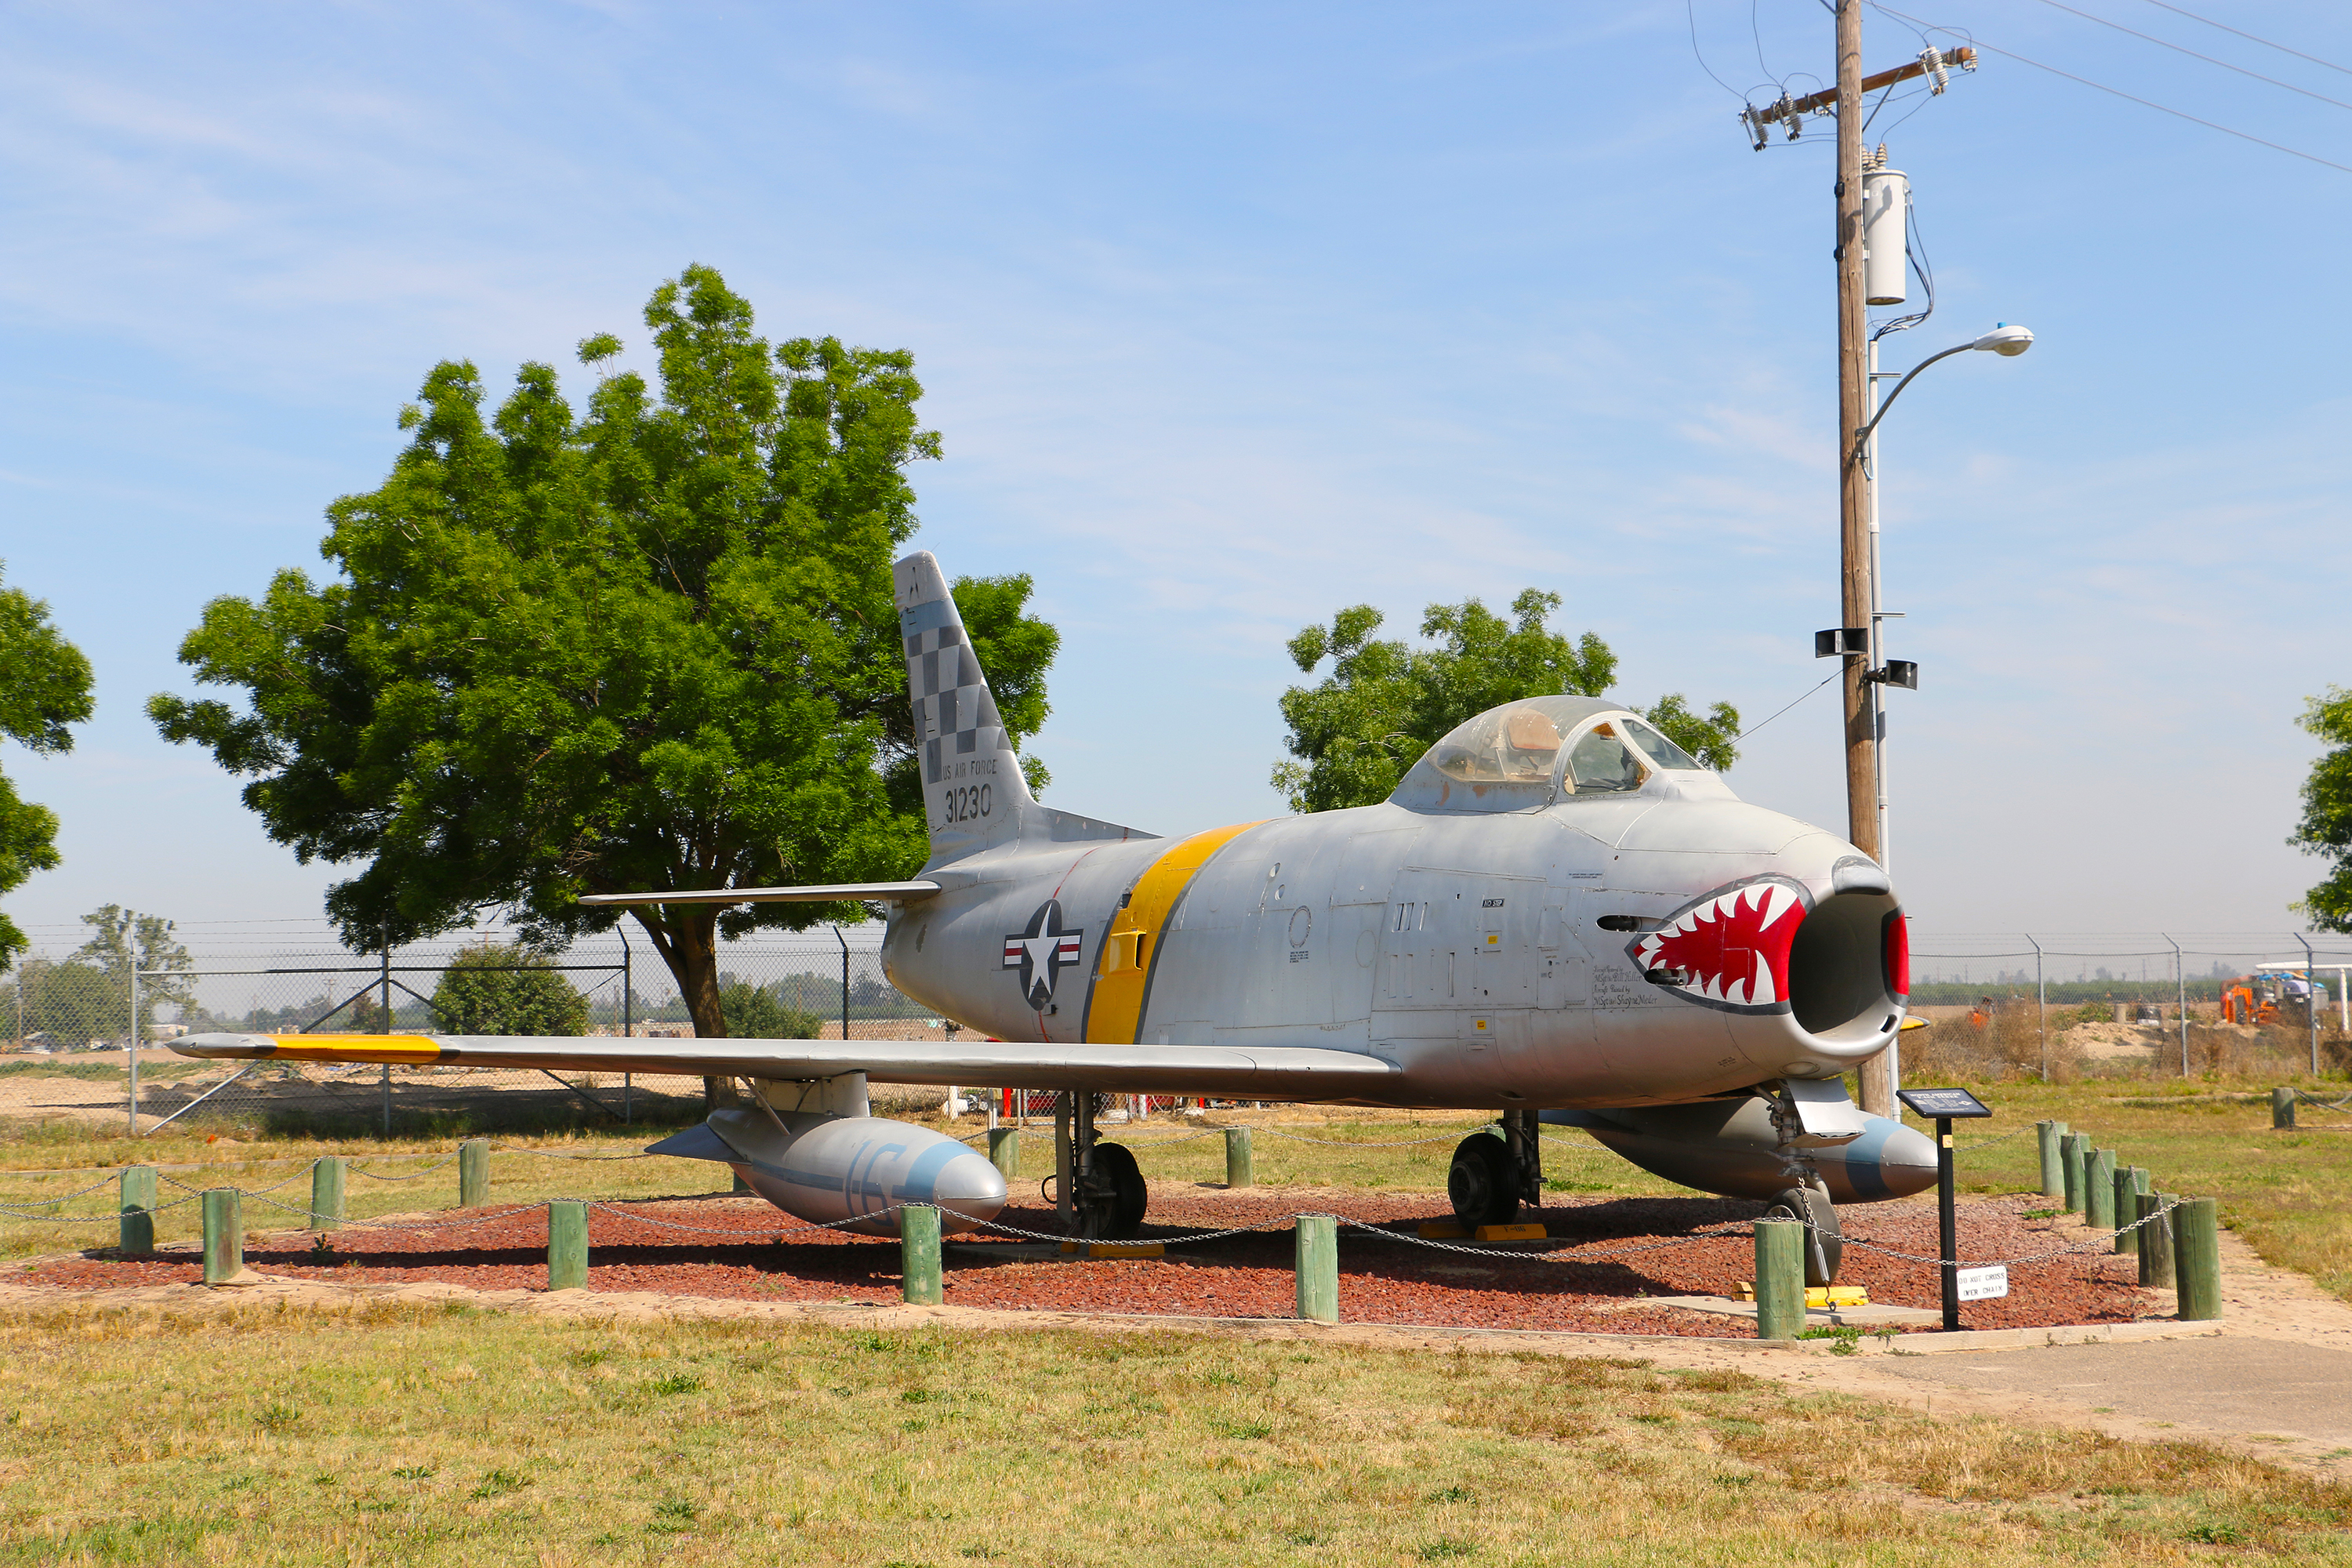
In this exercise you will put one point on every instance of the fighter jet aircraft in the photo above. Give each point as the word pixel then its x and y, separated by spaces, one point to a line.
pixel 1559 917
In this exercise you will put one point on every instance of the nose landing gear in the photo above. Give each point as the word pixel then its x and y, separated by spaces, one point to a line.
pixel 1824 1246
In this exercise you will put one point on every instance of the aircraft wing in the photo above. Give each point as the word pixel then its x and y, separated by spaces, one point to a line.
pixel 1254 1072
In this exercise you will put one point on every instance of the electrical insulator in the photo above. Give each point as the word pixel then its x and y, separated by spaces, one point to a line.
pixel 1933 59
pixel 1885 213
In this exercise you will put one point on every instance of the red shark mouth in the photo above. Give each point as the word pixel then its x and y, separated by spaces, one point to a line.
pixel 1730 949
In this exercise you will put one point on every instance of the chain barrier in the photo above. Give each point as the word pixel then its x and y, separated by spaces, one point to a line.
pixel 549 1154
pixel 2105 1248
pixel 256 1192
pixel 2305 1097
pixel 1989 1143
pixel 11 1210
pixel 311 1213
pixel 412 1175
pixel 1398 1143
pixel 99 1218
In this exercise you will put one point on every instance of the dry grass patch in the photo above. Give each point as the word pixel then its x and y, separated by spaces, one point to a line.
pixel 425 1436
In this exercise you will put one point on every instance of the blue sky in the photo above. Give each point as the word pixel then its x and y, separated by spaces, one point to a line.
pixel 1230 316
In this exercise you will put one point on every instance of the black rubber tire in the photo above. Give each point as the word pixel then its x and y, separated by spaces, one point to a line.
pixel 1824 1245
pixel 1129 1197
pixel 1483 1184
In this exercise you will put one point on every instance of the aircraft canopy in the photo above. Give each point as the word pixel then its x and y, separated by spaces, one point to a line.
pixel 1508 758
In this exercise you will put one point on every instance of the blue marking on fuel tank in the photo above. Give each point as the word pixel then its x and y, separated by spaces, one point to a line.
pixel 921 1182
pixel 1861 1159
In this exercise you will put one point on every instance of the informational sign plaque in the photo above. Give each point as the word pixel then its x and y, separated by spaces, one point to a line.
pixel 1943 1103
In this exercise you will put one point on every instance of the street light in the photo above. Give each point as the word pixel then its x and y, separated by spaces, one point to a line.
pixel 2006 340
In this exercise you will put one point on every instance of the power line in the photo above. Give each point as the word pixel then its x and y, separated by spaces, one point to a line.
pixel 2250 37
pixel 2192 54
pixel 2118 92
pixel 1690 14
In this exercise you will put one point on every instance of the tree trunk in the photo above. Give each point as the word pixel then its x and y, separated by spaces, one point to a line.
pixel 688 944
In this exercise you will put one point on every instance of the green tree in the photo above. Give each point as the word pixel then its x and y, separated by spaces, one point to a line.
pixel 505 988
pixel 755 1012
pixel 70 1004
pixel 44 688
pixel 1355 733
pixel 120 939
pixel 650 646
pixel 2326 825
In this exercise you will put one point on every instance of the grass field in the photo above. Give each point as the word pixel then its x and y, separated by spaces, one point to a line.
pixel 429 1435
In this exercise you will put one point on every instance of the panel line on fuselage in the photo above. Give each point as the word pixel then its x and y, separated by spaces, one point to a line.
pixel 1116 997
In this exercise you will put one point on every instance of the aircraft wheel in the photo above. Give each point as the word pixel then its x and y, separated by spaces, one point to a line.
pixel 1825 1245
pixel 1483 1185
pixel 1115 1164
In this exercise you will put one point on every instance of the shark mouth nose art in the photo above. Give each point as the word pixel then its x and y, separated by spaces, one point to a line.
pixel 1728 950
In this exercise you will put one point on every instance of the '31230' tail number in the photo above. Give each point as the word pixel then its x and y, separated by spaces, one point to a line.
pixel 970 803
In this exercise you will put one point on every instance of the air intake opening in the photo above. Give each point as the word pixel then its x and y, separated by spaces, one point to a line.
pixel 1837 968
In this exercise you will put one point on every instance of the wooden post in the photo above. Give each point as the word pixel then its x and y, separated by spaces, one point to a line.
pixel 2074 1150
pixel 2156 1243
pixel 1780 1278
pixel 2054 1159
pixel 2127 1207
pixel 138 1232
pixel 1239 1170
pixel 1317 1261
pixel 567 1244
pixel 2099 1189
pixel 918 1256
pixel 327 1194
pixel 2197 1260
pixel 474 1174
pixel 2281 1109
pixel 1005 1151
pixel 224 1235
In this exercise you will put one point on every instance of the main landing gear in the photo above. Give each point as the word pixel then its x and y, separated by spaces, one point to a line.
pixel 1493 1176
pixel 1098 1191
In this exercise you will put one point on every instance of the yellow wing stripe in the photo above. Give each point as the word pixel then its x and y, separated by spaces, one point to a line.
pixel 1124 960
pixel 395 1048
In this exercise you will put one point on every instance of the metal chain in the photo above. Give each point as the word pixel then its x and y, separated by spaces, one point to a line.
pixel 255 1193
pixel 95 1218
pixel 2106 1247
pixel 413 1175
pixel 1399 1143
pixel 308 1212
pixel 1724 1232
pixel 555 1154
pixel 2305 1097
pixel 1989 1143
pixel 752 1233
pixel 51 1202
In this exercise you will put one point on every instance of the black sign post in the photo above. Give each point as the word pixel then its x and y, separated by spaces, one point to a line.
pixel 1947 1106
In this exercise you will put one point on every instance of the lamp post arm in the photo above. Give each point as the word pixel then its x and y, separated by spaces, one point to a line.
pixel 1863 437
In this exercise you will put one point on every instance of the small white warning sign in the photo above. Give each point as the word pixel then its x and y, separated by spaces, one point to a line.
pixel 1984 1284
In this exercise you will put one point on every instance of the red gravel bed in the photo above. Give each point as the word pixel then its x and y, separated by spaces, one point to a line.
pixel 761 1256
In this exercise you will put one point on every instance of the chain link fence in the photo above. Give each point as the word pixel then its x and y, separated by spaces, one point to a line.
pixel 91 1041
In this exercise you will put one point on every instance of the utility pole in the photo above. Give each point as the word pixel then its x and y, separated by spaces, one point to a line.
pixel 1853 413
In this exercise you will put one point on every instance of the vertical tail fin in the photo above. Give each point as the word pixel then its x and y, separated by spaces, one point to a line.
pixel 974 794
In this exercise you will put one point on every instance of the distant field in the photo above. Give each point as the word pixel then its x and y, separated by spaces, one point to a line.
pixel 438 1436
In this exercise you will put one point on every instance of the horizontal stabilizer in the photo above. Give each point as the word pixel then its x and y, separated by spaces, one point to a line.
pixel 1252 1072
pixel 831 893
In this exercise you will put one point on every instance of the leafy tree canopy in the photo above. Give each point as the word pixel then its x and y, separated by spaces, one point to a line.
pixel 44 688
pixel 756 1013
pixel 68 1006
pixel 504 988
pixel 2326 825
pixel 1355 733
pixel 120 939
pixel 651 646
